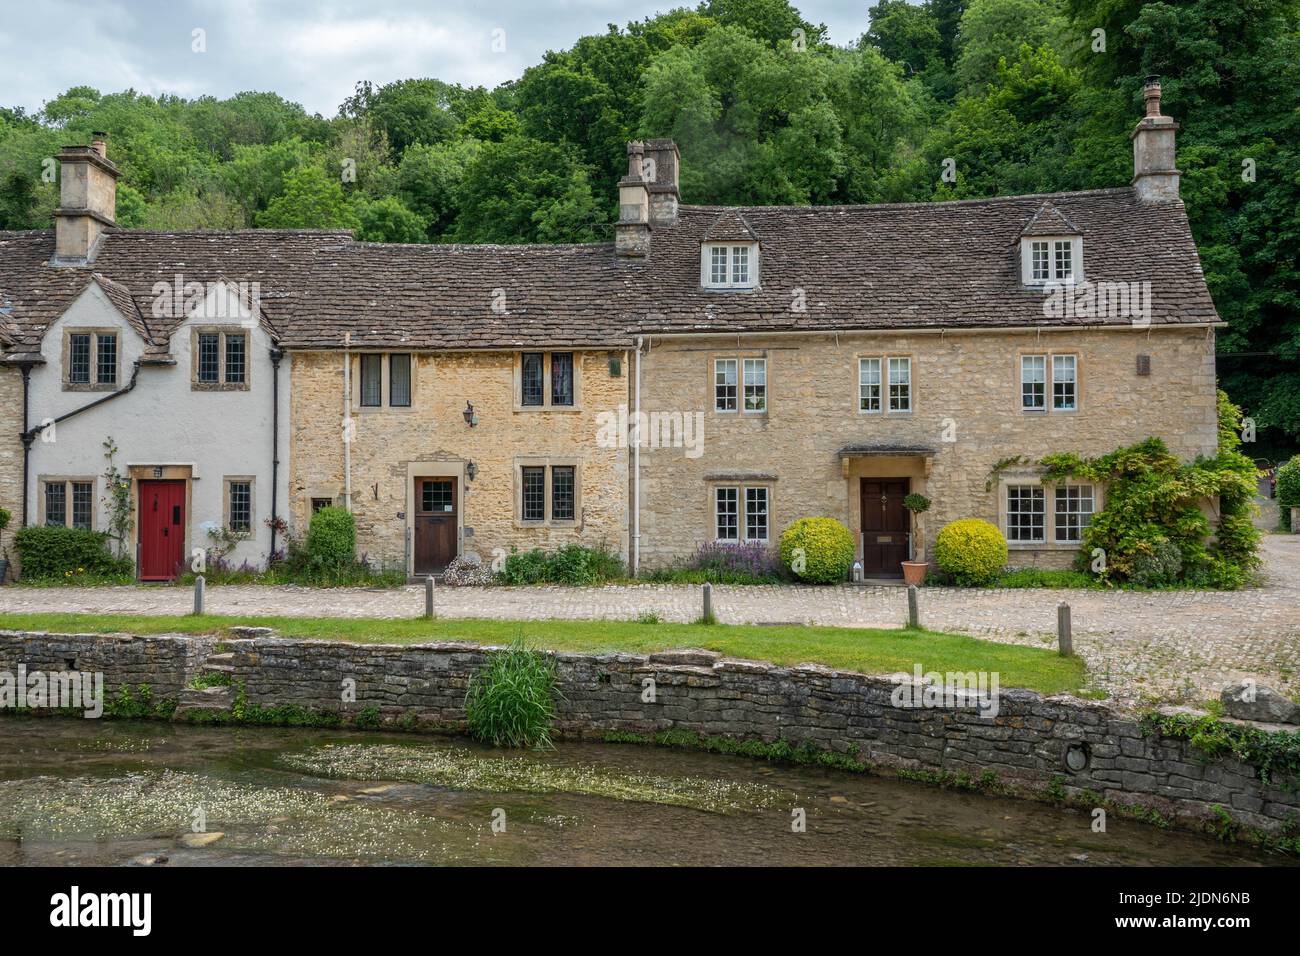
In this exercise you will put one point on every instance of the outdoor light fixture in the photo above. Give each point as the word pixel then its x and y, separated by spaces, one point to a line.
pixel 471 469
pixel 471 416
pixel 1076 757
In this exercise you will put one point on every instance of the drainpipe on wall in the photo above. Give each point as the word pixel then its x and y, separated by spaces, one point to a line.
pixel 347 422
pixel 636 463
pixel 27 436
pixel 276 356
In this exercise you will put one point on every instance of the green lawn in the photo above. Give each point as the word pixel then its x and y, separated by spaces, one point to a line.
pixel 865 650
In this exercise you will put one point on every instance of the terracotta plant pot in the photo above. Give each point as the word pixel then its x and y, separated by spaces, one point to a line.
pixel 914 571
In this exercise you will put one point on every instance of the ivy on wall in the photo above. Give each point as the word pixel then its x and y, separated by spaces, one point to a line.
pixel 1152 530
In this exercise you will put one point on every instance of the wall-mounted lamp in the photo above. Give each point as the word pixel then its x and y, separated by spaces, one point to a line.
pixel 471 416
pixel 471 469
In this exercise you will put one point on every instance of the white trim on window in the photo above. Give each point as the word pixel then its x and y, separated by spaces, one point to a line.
pixel 742 513
pixel 1034 515
pixel 1045 259
pixel 729 265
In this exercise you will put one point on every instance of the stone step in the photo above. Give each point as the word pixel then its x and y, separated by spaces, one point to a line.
pixel 205 698
pixel 212 668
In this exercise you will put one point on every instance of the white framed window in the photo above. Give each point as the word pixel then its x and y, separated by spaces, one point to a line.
pixel 1074 508
pixel 729 265
pixel 724 384
pixel 869 385
pixel 1033 382
pixel 756 514
pixel 755 384
pixel 726 509
pixel 1025 514
pixel 900 384
pixel 1065 370
pixel 1045 259
pixel 730 522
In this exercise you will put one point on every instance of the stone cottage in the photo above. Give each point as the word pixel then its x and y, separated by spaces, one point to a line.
pixel 711 375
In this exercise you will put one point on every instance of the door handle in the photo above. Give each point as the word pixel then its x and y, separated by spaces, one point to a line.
pixel 164 531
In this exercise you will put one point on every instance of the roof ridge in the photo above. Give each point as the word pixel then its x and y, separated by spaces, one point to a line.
pixel 1110 190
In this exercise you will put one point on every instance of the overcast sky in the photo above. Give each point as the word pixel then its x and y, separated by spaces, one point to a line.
pixel 309 52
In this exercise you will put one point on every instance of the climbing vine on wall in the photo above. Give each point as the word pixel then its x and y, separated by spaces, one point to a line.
pixel 117 495
pixel 1152 529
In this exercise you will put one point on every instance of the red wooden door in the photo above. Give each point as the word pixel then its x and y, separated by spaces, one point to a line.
pixel 162 529
pixel 885 526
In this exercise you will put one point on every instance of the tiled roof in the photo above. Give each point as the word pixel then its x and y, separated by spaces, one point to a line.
pixel 922 265
pixel 1048 221
pixel 931 265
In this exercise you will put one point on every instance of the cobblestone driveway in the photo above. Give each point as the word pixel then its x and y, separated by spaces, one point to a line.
pixel 1170 645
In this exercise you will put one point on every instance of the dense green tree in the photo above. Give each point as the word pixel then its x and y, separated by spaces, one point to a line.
pixel 387 220
pixel 992 30
pixel 524 190
pixel 312 199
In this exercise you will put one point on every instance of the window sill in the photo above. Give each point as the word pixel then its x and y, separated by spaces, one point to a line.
pixel 520 523
pixel 1044 545
pixel 374 409
pixel 90 386
pixel 558 409
pixel 219 386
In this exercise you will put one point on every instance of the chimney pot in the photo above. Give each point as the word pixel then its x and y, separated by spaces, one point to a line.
pixel 99 143
pixel 1151 94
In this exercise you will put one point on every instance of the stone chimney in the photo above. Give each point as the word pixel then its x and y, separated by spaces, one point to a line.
pixel 87 202
pixel 663 161
pixel 1154 176
pixel 632 232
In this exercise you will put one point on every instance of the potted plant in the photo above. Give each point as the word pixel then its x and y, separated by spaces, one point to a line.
pixel 914 570
pixel 5 517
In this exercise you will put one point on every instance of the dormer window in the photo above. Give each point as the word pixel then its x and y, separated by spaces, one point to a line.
pixel 729 265
pixel 1046 259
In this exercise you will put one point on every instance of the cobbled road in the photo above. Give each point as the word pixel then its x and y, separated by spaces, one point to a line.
pixel 1167 645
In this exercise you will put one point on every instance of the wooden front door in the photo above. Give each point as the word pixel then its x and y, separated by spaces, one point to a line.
pixel 885 526
pixel 161 542
pixel 436 507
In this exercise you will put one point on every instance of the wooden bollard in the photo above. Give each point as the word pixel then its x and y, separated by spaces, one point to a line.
pixel 199 584
pixel 913 606
pixel 428 597
pixel 708 603
pixel 1063 635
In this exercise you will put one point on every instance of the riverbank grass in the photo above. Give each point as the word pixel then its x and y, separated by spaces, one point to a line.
pixel 865 650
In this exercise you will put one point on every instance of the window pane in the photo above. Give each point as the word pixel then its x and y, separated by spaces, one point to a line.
pixel 1025 505
pixel 82 496
pixel 209 356
pixel 1065 260
pixel 740 265
pixel 718 265
pixel 1039 260
pixel 869 385
pixel 79 359
pixel 372 380
pixel 724 385
pixel 1063 382
pixel 399 381
pixel 318 503
pixel 436 495
pixel 241 506
pixel 561 378
pixel 1033 378
pixel 531 378
pixel 900 385
pixel 106 359
pixel 755 514
pixel 534 487
pixel 56 503
pixel 562 493
pixel 236 358
pixel 725 508
pixel 1074 506
pixel 755 385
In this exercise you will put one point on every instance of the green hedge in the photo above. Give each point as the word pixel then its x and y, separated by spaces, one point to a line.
pixel 52 552
pixel 332 539
pixel 1288 489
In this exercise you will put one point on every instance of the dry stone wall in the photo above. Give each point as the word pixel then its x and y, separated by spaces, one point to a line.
pixel 423 687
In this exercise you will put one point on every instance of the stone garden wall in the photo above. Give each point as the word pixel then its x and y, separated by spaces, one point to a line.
pixel 423 687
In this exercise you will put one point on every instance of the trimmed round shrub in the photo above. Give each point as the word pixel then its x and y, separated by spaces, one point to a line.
pixel 332 538
pixel 1288 489
pixel 817 550
pixel 971 550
